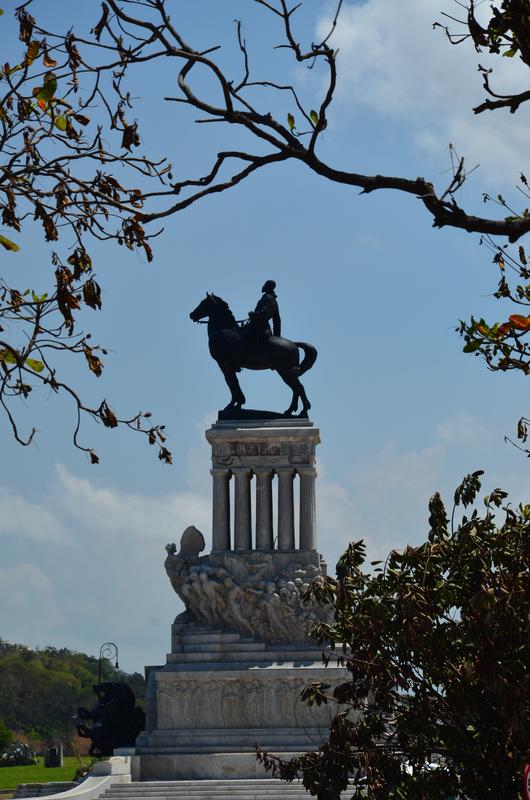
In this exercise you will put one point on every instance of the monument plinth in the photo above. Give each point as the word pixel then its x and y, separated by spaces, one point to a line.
pixel 240 653
pixel 263 450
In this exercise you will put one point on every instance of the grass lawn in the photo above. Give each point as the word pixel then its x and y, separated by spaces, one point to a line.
pixel 10 777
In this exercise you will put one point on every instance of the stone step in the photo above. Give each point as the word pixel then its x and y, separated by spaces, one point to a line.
pixel 26 790
pixel 159 786
pixel 237 656
pixel 221 735
pixel 222 647
pixel 284 740
pixel 200 792
pixel 197 627
pixel 205 638
pixel 230 791
pixel 256 789
pixel 191 750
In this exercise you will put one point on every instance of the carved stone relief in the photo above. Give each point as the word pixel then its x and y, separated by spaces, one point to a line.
pixel 270 702
pixel 247 595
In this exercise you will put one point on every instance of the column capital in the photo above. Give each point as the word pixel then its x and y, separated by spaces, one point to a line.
pixel 285 470
pixel 263 470
pixel 219 472
pixel 310 472
pixel 241 471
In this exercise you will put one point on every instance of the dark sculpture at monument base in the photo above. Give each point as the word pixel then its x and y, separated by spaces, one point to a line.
pixel 115 719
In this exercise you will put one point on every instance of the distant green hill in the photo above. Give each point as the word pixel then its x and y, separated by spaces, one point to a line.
pixel 41 690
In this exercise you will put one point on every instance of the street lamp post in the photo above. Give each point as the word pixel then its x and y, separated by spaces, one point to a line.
pixel 109 650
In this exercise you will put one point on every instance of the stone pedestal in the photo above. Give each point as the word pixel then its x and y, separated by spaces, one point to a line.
pixel 278 453
pixel 221 694
pixel 240 654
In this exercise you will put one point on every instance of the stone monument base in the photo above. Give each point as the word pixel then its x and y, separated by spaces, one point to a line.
pixel 200 766
pixel 241 654
pixel 219 695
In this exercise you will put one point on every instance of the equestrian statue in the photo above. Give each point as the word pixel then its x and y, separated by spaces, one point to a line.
pixel 114 721
pixel 253 345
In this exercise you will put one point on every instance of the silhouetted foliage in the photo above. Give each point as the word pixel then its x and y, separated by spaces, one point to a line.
pixel 436 641
pixel 75 163
pixel 6 736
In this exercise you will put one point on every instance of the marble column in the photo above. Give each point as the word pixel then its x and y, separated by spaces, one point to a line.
pixel 264 535
pixel 307 508
pixel 242 510
pixel 221 509
pixel 285 508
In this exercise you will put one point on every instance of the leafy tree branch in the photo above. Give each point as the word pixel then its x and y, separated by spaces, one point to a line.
pixel 435 644
pixel 68 128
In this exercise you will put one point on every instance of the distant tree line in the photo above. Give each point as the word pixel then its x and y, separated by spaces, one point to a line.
pixel 41 690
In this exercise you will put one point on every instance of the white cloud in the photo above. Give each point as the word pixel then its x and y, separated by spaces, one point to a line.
pixel 392 60
pixel 105 572
pixel 104 579
pixel 385 497
pixel 391 492
pixel 28 608
pixel 22 517
pixel 462 428
pixel 338 520
pixel 135 516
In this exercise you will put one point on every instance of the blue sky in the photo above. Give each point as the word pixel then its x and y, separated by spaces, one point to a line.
pixel 401 410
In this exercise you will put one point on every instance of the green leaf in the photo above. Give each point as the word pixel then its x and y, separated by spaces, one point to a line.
pixel 61 123
pixel 291 122
pixel 510 53
pixel 47 91
pixel 314 117
pixel 8 244
pixel 471 347
pixel 1 11
pixel 36 366
pixel 37 299
pixel 8 358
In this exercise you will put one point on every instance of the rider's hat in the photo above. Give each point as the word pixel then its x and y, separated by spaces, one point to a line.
pixel 268 286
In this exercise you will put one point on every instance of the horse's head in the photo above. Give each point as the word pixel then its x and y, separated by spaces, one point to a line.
pixel 204 309
pixel 216 309
pixel 104 690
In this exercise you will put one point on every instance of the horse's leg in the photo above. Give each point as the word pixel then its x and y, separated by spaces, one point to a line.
pixel 294 403
pixel 306 405
pixel 238 398
pixel 298 392
pixel 290 380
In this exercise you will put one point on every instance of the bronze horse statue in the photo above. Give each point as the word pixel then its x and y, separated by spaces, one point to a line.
pixel 235 348
pixel 114 721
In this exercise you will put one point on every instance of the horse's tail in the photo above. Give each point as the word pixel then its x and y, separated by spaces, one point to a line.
pixel 310 356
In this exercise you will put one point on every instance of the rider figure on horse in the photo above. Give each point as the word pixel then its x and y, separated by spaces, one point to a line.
pixel 258 328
